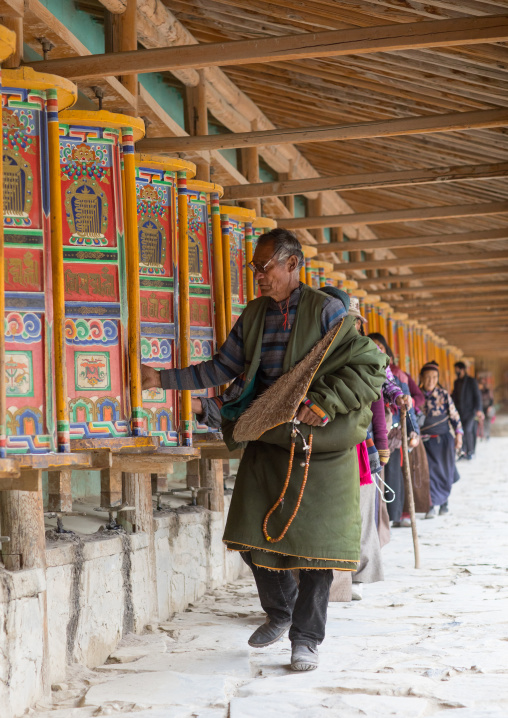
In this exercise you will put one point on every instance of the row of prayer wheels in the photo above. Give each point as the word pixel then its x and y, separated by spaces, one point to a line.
pixel 110 260
pixel 412 343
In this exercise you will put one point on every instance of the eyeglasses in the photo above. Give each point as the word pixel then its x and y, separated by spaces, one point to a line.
pixel 261 268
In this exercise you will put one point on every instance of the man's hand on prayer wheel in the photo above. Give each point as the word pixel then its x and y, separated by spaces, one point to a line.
pixel 150 377
pixel 307 416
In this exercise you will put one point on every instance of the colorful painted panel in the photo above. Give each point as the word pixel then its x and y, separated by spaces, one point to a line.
pixel 95 282
pixel 200 280
pixel 160 406
pixel 28 319
pixel 156 200
pixel 238 279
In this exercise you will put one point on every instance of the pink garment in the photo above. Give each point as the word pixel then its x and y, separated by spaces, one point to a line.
pixel 364 464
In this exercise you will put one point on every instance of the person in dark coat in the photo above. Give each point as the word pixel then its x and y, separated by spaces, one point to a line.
pixel 468 400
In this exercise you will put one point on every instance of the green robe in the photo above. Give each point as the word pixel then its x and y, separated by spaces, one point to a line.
pixel 326 530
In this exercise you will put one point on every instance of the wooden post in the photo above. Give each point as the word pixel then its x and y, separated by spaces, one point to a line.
pixel 133 296
pixel 196 120
pixel 137 492
pixel 59 490
pixel 57 263
pixel 250 170
pixel 193 473
pixel 226 263
pixel 125 39
pixel 218 272
pixel 14 23
pixel 212 475
pixel 184 305
pixel 315 209
pixel 22 519
pixel 111 487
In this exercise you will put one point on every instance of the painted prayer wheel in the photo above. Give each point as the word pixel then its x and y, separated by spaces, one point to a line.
pixel 234 221
pixel 157 212
pixel 101 273
pixel 260 226
pixel 318 269
pixel 30 103
pixel 206 290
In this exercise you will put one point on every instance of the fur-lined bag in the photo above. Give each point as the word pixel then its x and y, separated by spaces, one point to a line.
pixel 280 402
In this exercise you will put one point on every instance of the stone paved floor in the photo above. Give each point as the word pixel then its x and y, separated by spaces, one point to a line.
pixel 420 644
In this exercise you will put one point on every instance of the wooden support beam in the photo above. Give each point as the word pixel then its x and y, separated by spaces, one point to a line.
pixel 196 119
pixel 315 207
pixel 249 160
pixel 212 476
pixel 433 276
pixel 384 38
pixel 192 473
pixel 15 23
pixel 398 215
pixel 442 305
pixel 128 41
pixel 457 258
pixel 137 492
pixel 356 131
pixel 415 241
pixel 446 288
pixel 59 490
pixel 111 487
pixel 371 180
pixel 22 519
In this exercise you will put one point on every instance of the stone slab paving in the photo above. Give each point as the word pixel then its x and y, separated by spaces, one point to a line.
pixel 418 645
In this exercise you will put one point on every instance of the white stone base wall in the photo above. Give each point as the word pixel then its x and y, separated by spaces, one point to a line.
pixel 97 590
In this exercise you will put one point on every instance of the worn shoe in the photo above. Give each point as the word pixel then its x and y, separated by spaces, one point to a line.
pixel 357 591
pixel 443 509
pixel 405 522
pixel 267 634
pixel 431 513
pixel 396 524
pixel 304 658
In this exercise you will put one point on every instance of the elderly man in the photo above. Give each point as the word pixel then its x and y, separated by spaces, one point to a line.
pixel 296 358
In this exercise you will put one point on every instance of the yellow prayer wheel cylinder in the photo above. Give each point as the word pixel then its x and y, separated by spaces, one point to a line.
pixel 382 309
pixel 371 315
pixel 157 213
pixel 234 222
pixel 101 271
pixel 401 349
pixel 350 286
pixel 207 309
pixel 308 251
pixel 7 47
pixel 261 225
pixel 33 378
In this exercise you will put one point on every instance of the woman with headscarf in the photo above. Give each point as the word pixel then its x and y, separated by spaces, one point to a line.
pixel 442 435
pixel 393 470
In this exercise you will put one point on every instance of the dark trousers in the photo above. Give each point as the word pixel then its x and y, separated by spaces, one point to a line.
pixel 469 426
pixel 302 605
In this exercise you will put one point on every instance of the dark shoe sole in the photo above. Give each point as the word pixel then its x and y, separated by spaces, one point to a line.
pixel 269 643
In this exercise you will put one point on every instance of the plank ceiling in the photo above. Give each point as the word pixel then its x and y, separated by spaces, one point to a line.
pixel 374 87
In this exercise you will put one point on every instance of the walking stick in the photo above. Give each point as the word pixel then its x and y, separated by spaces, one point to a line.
pixel 408 485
